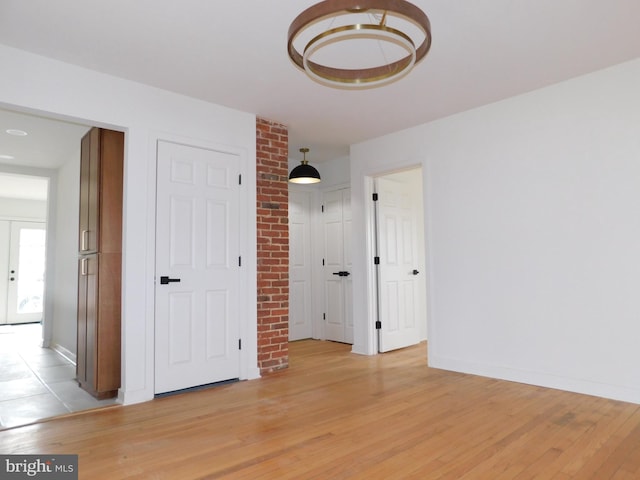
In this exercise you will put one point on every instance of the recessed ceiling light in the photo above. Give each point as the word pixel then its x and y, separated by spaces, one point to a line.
pixel 17 133
pixel 7 157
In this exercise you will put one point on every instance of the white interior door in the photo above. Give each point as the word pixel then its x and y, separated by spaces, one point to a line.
pixel 26 266
pixel 197 267
pixel 338 312
pixel 299 265
pixel 398 269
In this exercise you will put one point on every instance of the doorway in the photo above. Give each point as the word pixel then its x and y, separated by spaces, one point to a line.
pixel 44 352
pixel 23 215
pixel 400 291
pixel 198 261
pixel 300 265
pixel 25 290
pixel 337 266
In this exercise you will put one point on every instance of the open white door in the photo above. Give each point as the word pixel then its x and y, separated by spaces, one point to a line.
pixel 197 267
pixel 398 268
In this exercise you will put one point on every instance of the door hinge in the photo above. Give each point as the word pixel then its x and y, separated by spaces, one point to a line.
pixel 375 197
pixel 378 324
pixel 239 344
pixel 322 208
pixel 376 260
pixel 240 179
pixel 239 261
pixel 323 262
pixel 324 316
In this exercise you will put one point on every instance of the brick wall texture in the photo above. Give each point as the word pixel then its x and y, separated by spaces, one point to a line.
pixel 272 147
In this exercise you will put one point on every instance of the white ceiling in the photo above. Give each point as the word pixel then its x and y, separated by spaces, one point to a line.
pixel 233 53
pixel 48 144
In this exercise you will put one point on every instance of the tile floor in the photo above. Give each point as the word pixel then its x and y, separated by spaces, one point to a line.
pixel 36 382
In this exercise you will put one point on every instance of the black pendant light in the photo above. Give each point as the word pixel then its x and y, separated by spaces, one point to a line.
pixel 304 173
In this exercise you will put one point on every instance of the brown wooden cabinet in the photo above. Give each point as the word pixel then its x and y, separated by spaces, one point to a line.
pixel 100 262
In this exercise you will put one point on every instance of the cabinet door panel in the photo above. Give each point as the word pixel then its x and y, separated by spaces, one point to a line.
pixel 108 327
pixel 111 174
pixel 92 318
pixel 89 191
pixel 81 355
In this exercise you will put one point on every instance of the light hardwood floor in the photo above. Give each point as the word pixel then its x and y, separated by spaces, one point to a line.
pixel 335 415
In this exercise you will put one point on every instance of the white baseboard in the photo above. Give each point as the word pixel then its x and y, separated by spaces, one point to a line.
pixel 615 392
pixel 68 354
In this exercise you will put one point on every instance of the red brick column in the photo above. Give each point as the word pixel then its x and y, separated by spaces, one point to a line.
pixel 272 147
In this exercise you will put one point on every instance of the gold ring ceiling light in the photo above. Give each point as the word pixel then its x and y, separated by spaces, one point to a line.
pixel 359 43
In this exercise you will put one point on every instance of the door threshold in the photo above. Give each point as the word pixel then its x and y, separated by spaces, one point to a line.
pixel 196 388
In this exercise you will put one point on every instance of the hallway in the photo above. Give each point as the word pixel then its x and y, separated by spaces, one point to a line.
pixel 36 382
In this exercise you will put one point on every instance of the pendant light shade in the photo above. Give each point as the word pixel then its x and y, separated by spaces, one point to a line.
pixel 304 173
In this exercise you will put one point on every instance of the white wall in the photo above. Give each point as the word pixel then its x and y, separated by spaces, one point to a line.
pixel 533 225
pixel 41 85
pixel 65 289
pixel 21 209
pixel 334 173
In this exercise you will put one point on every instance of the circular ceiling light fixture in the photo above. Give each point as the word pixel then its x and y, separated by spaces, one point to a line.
pixel 16 132
pixel 358 44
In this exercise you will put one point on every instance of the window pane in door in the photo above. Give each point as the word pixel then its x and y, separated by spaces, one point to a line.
pixel 31 270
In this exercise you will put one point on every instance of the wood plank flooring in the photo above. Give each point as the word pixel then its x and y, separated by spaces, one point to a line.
pixel 336 415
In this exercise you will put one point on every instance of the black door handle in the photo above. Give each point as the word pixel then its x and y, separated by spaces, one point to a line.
pixel 167 280
pixel 337 273
pixel 415 272
pixel 342 274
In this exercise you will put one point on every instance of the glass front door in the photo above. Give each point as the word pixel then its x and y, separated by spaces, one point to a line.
pixel 26 272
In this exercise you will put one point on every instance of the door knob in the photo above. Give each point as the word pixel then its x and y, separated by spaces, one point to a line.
pixel 342 274
pixel 166 280
pixel 415 272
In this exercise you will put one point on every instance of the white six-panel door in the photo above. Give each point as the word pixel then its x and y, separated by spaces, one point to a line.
pixel 399 266
pixel 197 251
pixel 300 265
pixel 338 311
